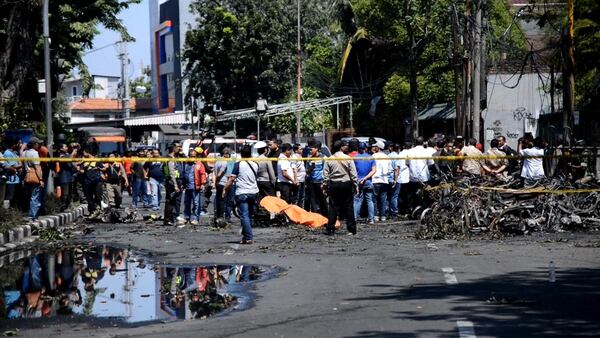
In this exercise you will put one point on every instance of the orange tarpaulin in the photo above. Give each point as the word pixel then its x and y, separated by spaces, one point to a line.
pixel 294 213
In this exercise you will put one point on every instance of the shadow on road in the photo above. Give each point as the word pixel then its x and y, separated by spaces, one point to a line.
pixel 517 304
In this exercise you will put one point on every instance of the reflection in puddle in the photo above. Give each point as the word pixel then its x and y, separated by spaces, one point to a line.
pixel 107 282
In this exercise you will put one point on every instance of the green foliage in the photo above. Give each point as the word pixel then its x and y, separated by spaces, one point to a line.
pixel 587 50
pixel 73 26
pixel 239 49
pixel 141 81
pixel 396 91
pixel 312 121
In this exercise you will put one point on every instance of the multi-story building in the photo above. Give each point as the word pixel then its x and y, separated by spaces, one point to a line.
pixel 104 87
pixel 169 22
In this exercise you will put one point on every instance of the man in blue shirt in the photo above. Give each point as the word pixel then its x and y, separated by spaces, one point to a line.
pixel 365 169
pixel 314 179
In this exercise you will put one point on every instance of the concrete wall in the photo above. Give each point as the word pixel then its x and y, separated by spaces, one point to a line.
pixel 514 111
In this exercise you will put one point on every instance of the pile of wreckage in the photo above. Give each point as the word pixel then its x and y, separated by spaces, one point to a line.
pixel 473 205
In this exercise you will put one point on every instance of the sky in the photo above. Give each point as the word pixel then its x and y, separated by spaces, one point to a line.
pixel 105 61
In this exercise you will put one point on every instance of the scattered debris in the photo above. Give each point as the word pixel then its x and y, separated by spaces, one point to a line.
pixel 472 205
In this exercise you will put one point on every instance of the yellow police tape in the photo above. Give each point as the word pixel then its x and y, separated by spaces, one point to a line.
pixel 275 159
pixel 540 190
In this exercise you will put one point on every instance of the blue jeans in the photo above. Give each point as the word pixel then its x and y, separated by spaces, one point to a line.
pixel 35 199
pixel 192 204
pixel 138 188
pixel 394 195
pixel 365 192
pixel 246 204
pixel 224 205
pixel 381 192
pixel 155 193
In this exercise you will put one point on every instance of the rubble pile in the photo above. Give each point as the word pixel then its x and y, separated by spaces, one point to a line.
pixel 471 205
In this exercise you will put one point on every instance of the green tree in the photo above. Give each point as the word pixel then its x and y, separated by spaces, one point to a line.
pixel 239 49
pixel 142 81
pixel 73 25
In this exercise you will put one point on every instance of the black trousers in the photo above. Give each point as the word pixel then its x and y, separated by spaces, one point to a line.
pixel 66 195
pixel 286 191
pixel 93 195
pixel 265 188
pixel 317 199
pixel 172 203
pixel 414 191
pixel 341 205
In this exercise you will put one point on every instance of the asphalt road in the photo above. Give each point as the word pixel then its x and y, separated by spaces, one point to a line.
pixel 380 283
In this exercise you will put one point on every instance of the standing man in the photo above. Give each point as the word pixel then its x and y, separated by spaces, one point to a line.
pixel 314 171
pixel 12 169
pixel 340 181
pixel 505 148
pixel 380 179
pixel 115 174
pixel 246 191
pixel 402 179
pixel 365 169
pixel 300 174
pixel 65 176
pixel 194 179
pixel 495 167
pixel 172 173
pixel 266 178
pixel 533 167
pixel 274 151
pixel 220 177
pixel 394 190
pixel 472 167
pixel 286 180
pixel 92 180
pixel 155 175
pixel 34 187
pixel 418 168
pixel 138 182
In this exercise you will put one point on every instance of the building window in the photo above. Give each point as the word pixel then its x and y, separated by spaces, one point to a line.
pixel 74 91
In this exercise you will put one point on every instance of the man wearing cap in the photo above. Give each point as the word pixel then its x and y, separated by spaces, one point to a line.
pixel 265 175
pixel 340 182
pixel 381 179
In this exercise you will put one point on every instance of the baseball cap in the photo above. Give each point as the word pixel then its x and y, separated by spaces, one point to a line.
pixel 34 139
pixel 259 145
pixel 199 150
pixel 378 144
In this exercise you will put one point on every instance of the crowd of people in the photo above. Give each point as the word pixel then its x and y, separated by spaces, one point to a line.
pixel 377 180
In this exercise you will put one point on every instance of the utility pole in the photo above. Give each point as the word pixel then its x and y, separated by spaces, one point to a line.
pixel 476 131
pixel 299 76
pixel 467 74
pixel 457 65
pixel 124 58
pixel 48 96
pixel 569 77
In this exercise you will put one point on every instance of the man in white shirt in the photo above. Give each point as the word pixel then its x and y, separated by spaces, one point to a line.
pixel 300 175
pixel 533 168
pixel 381 179
pixel 286 180
pixel 418 169
pixel 402 178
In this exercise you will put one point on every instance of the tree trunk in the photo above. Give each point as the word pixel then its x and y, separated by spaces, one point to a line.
pixel 412 74
pixel 17 76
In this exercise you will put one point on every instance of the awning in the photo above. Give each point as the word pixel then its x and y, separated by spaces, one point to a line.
pixel 161 119
pixel 440 111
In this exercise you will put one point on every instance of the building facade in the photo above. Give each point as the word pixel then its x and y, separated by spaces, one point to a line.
pixel 104 87
pixel 169 23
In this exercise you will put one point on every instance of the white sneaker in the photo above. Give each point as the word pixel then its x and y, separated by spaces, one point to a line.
pixel 376 218
pixel 194 223
pixel 383 219
pixel 181 220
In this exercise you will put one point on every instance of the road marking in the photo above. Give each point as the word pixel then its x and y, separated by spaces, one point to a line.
pixel 449 276
pixel 466 329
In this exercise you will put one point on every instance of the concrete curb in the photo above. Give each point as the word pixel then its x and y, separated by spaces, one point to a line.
pixel 20 235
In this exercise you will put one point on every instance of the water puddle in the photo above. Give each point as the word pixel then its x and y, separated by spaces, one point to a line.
pixel 117 285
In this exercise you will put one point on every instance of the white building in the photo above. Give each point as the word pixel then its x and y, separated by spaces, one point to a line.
pixel 105 87
pixel 514 111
